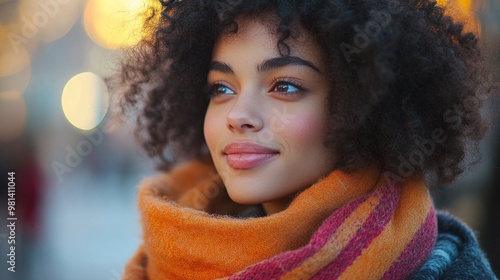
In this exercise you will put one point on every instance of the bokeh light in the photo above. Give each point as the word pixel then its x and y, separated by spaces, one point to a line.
pixel 85 100
pixel 48 20
pixel 15 68
pixel 114 24
pixel 12 115
pixel 12 59
pixel 464 11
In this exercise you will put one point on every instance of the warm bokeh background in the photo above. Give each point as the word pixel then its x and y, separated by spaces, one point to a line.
pixel 76 171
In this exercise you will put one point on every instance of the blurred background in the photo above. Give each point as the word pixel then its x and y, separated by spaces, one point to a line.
pixel 76 171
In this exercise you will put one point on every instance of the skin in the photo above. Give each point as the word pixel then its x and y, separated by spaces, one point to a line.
pixel 258 97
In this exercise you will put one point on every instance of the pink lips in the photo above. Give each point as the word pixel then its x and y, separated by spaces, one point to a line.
pixel 246 154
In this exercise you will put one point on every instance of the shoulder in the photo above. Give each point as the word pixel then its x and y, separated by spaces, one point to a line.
pixel 456 254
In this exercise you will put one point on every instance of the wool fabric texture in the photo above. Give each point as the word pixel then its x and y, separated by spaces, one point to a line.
pixel 359 225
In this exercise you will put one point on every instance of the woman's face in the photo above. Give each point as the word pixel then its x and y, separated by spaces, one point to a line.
pixel 265 124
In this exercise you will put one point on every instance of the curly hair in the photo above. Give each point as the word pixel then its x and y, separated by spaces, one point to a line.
pixel 405 79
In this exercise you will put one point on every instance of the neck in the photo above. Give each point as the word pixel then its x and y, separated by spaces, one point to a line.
pixel 277 205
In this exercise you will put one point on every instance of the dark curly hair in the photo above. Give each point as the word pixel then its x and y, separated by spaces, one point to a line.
pixel 405 79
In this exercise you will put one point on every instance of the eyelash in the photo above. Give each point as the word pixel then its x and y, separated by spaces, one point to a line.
pixel 287 81
pixel 275 83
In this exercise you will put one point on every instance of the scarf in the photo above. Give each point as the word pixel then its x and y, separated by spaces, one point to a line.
pixel 359 225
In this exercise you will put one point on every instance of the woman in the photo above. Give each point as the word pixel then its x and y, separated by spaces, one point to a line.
pixel 299 137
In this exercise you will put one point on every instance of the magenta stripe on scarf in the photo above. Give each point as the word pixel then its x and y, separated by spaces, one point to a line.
pixel 416 251
pixel 284 262
pixel 372 228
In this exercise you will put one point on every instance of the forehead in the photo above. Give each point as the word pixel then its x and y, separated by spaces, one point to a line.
pixel 260 34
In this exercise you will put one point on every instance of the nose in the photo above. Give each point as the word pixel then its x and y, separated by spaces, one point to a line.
pixel 245 115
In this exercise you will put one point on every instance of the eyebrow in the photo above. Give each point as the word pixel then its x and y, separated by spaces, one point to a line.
pixel 267 65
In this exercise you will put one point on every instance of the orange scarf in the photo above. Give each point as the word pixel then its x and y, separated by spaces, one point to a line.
pixel 324 225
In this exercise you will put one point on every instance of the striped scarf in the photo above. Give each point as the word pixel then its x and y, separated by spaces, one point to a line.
pixel 358 225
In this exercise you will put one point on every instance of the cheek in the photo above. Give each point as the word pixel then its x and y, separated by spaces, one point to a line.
pixel 210 128
pixel 306 131
pixel 214 122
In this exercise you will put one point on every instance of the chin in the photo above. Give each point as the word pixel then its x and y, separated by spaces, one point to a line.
pixel 245 198
pixel 242 195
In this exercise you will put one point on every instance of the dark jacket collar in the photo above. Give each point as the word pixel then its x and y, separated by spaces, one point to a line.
pixel 456 254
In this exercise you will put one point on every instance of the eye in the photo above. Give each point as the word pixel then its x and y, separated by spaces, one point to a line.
pixel 220 89
pixel 285 87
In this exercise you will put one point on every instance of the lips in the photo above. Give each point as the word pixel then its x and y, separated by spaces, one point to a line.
pixel 246 154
